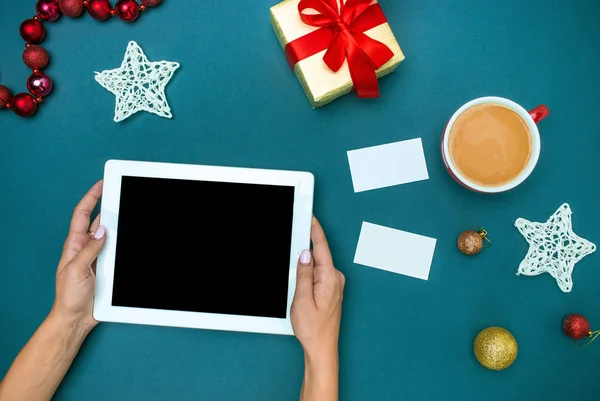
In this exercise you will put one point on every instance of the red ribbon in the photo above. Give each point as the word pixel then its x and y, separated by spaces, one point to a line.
pixel 342 34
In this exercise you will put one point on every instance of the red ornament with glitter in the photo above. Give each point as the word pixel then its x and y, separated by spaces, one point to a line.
pixel 72 8
pixel 127 10
pixel 36 57
pixel 48 10
pixel 33 31
pixel 5 97
pixel 578 327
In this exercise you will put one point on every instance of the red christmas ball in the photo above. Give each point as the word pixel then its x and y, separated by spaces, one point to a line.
pixel 151 3
pixel 71 8
pixel 99 9
pixel 576 326
pixel 48 10
pixel 39 84
pixel 24 105
pixel 127 10
pixel 33 31
pixel 36 57
pixel 5 96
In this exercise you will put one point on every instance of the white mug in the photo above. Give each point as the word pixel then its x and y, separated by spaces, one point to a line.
pixel 531 118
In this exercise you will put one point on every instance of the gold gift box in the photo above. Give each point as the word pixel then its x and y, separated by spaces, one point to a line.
pixel 321 85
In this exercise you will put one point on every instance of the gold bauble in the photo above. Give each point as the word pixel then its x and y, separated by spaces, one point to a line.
pixel 470 242
pixel 495 348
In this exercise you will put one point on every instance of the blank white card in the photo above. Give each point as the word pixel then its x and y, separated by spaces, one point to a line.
pixel 395 251
pixel 386 165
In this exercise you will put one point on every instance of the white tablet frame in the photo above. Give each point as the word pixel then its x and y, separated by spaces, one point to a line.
pixel 302 220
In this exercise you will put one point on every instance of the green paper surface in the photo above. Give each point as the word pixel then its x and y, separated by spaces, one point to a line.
pixel 236 102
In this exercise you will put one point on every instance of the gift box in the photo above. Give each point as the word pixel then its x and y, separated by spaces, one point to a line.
pixel 334 48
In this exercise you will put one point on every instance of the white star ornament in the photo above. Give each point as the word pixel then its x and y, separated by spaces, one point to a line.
pixel 553 247
pixel 138 84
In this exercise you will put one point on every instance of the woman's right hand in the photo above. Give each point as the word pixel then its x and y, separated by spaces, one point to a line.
pixel 316 316
pixel 317 306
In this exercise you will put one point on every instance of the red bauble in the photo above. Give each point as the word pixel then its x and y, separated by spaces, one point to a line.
pixel 127 10
pixel 24 105
pixel 99 9
pixel 71 8
pixel 36 57
pixel 33 31
pixel 48 10
pixel 576 326
pixel 151 3
pixel 39 84
pixel 5 96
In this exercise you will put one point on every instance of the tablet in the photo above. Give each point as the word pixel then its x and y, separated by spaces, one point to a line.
pixel 201 246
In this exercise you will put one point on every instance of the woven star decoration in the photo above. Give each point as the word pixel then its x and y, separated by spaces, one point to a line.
pixel 138 84
pixel 553 247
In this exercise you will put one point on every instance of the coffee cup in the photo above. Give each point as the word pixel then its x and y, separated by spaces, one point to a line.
pixel 477 144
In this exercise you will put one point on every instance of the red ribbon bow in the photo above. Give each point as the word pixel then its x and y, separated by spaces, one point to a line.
pixel 342 34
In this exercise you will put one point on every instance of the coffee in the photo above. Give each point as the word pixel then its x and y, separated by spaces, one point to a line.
pixel 490 145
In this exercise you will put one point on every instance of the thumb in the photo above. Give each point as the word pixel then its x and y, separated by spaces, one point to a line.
pixel 305 276
pixel 84 259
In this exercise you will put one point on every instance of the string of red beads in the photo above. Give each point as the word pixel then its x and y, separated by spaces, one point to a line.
pixel 37 58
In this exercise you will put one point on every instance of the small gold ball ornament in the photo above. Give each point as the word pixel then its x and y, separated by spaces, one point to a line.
pixel 470 242
pixel 495 348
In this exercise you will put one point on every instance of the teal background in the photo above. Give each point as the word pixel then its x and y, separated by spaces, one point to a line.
pixel 236 103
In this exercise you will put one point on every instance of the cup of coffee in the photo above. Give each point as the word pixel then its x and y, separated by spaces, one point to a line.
pixel 492 144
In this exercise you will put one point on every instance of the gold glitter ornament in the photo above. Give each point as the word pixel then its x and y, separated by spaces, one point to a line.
pixel 495 348
pixel 470 242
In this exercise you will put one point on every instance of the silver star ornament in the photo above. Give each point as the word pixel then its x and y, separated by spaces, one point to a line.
pixel 138 84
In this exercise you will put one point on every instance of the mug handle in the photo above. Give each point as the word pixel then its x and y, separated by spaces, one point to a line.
pixel 539 113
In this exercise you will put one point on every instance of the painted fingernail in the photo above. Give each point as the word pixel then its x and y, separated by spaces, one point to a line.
pixel 305 257
pixel 100 233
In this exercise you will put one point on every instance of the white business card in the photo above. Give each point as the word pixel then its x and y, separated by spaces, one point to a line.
pixel 396 251
pixel 387 165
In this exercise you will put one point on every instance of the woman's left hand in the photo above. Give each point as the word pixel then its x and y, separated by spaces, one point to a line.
pixel 76 274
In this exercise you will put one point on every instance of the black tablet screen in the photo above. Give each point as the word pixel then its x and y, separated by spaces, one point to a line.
pixel 203 246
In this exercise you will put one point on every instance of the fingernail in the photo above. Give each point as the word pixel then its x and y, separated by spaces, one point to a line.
pixel 100 233
pixel 305 257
